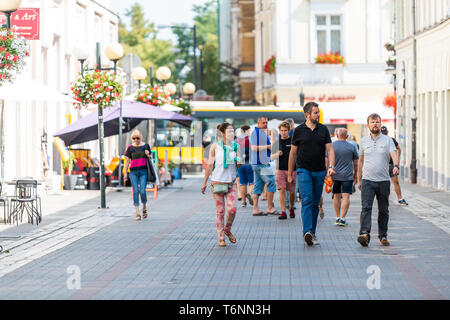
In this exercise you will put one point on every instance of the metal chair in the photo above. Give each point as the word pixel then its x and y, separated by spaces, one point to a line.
pixel 26 199
pixel 4 200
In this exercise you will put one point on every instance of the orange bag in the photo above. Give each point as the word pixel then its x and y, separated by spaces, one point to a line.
pixel 328 184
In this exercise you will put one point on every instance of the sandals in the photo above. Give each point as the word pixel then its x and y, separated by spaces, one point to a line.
pixel 138 217
pixel 261 213
pixel 222 243
pixel 274 213
pixel 230 236
pixel 144 214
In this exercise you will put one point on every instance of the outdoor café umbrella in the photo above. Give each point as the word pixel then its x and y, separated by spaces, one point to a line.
pixel 133 112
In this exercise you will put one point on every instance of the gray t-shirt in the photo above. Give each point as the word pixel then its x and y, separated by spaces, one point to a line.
pixel 376 157
pixel 344 153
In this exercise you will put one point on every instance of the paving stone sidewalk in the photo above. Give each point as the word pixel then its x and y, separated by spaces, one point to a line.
pixel 174 254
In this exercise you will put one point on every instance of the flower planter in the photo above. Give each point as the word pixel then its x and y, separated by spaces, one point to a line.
pixel 70 181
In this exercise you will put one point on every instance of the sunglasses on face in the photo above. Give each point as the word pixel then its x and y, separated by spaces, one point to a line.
pixel 135 138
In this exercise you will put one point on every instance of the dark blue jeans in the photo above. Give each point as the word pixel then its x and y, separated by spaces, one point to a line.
pixel 138 180
pixel 311 187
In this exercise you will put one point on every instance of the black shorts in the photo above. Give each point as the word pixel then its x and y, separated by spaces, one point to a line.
pixel 342 187
pixel 391 168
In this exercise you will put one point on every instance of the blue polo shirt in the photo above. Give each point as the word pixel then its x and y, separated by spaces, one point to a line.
pixel 259 138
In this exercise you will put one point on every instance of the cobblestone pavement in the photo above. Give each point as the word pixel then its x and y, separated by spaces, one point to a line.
pixel 174 253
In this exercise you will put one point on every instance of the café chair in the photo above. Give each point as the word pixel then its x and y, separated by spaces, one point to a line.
pixel 5 202
pixel 26 199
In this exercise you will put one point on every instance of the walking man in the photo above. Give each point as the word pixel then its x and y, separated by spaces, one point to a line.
pixel 245 171
pixel 291 197
pixel 373 179
pixel 286 189
pixel 310 141
pixel 394 178
pixel 260 147
pixel 346 159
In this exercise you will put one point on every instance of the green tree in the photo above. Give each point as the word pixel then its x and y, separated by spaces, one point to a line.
pixel 141 39
pixel 217 80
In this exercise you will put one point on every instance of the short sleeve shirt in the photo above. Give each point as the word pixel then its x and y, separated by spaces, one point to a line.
pixel 396 144
pixel 259 138
pixel 137 156
pixel 376 157
pixel 345 153
pixel 311 146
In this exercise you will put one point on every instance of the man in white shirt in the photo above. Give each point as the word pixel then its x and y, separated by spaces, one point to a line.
pixel 376 150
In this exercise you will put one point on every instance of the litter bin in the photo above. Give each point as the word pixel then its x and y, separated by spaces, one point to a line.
pixel 94 178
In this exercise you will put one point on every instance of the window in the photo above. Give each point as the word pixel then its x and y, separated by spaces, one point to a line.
pixel 328 33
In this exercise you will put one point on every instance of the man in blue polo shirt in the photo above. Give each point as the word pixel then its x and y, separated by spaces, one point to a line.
pixel 260 147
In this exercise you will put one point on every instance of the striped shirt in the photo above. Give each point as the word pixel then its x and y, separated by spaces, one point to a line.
pixel 137 156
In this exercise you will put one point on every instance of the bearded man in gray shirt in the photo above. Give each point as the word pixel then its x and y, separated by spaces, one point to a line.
pixel 376 150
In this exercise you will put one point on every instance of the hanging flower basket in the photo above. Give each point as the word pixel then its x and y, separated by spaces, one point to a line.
pixel 155 96
pixel 269 66
pixel 391 62
pixel 13 51
pixel 181 103
pixel 102 88
pixel 330 58
pixel 390 101
pixel 389 46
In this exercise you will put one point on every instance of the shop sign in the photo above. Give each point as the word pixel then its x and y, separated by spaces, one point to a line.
pixel 330 98
pixel 26 21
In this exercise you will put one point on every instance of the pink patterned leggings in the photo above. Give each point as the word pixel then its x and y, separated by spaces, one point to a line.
pixel 230 199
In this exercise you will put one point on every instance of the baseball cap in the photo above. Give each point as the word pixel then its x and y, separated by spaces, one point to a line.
pixel 384 130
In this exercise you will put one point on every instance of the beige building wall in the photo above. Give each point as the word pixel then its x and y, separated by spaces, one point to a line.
pixel 432 89
pixel 64 24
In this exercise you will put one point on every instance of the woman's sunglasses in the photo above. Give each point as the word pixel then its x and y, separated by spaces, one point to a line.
pixel 135 138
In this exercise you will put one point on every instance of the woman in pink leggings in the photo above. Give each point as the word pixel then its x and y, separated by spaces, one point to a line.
pixel 223 161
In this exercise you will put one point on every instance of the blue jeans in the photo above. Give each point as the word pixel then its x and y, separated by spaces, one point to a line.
pixel 311 187
pixel 138 180
pixel 262 177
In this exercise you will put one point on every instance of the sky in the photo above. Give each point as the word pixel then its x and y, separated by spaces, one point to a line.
pixel 161 12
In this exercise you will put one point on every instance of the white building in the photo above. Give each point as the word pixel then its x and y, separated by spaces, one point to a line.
pixel 64 24
pixel 430 87
pixel 296 31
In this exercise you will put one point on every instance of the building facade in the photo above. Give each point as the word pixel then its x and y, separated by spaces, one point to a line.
pixel 423 39
pixel 243 50
pixel 295 32
pixel 29 126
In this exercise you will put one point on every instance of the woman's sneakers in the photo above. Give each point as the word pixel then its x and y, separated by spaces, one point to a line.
pixel 341 222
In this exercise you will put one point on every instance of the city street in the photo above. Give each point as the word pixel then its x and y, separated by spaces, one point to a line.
pixel 81 252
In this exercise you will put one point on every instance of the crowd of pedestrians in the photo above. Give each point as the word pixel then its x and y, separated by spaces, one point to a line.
pixel 296 161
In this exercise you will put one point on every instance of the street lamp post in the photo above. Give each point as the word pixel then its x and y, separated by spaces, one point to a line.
pixel 139 74
pixel 8 7
pixel 114 53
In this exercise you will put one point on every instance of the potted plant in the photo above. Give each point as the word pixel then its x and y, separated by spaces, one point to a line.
pixel 183 104
pixel 330 58
pixel 269 66
pixel 13 51
pixel 389 46
pixel 391 62
pixel 69 179
pixel 390 101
